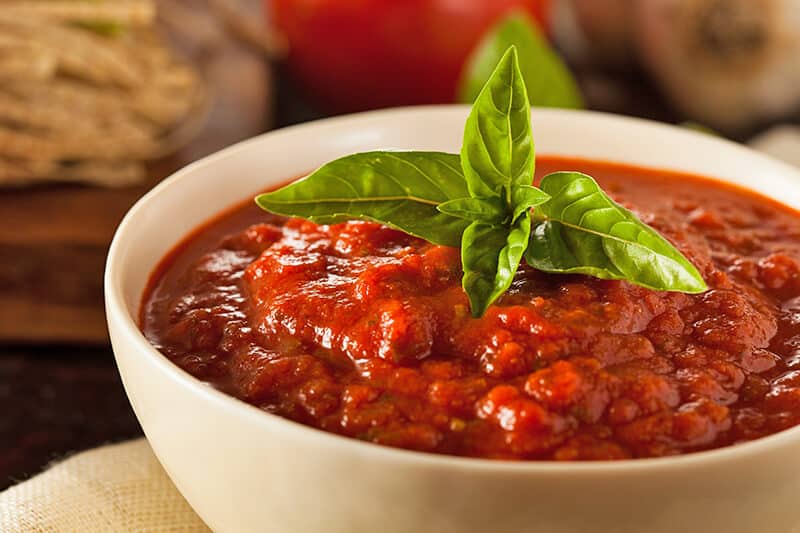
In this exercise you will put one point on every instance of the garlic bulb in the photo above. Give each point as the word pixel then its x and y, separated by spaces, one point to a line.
pixel 593 31
pixel 730 64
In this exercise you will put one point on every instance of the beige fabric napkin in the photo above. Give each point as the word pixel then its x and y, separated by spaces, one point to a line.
pixel 116 488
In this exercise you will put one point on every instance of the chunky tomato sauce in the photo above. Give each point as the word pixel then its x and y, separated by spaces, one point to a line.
pixel 364 331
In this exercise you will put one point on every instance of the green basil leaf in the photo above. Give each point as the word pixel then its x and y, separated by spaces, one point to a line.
pixel 549 81
pixel 399 189
pixel 498 152
pixel 583 231
pixel 490 210
pixel 526 196
pixel 491 255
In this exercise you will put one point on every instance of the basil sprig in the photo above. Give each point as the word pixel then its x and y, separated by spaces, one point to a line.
pixel 482 200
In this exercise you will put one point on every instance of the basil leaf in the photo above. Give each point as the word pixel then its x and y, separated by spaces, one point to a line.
pixel 524 197
pixel 498 151
pixel 472 209
pixel 586 232
pixel 399 189
pixel 491 255
pixel 549 81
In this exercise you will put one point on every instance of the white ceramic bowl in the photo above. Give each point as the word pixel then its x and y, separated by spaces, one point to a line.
pixel 245 470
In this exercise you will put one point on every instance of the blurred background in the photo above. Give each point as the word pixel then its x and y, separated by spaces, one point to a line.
pixel 101 99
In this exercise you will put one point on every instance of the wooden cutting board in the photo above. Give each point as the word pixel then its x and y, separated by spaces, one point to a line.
pixel 54 239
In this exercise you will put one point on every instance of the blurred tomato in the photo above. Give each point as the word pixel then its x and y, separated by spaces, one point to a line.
pixel 350 55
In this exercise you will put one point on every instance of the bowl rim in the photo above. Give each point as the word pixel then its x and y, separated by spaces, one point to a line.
pixel 116 309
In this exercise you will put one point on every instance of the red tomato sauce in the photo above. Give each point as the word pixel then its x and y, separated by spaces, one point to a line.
pixel 364 331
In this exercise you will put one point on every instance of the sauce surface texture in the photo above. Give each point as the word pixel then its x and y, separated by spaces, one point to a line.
pixel 364 331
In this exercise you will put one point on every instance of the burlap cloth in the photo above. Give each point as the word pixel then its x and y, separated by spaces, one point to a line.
pixel 121 487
